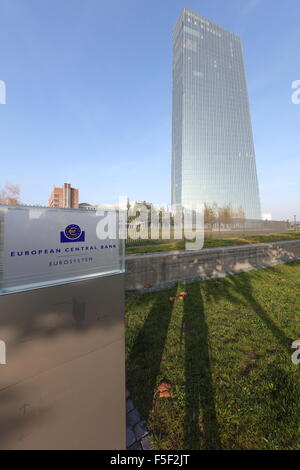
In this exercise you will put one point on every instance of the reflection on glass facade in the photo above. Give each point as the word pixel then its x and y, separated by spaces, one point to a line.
pixel 213 157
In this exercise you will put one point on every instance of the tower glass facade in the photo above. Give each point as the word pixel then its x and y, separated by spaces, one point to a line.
pixel 213 156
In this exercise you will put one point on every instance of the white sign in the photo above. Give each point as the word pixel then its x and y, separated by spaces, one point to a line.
pixel 51 246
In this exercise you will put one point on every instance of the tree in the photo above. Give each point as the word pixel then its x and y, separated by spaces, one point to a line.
pixel 225 214
pixel 240 213
pixel 10 194
pixel 210 215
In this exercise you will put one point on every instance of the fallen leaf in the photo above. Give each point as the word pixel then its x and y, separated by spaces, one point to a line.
pixel 164 390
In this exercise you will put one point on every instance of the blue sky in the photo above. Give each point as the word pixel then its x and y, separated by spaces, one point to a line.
pixel 89 95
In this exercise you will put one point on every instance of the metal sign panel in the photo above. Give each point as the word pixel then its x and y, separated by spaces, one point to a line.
pixel 62 367
pixel 41 247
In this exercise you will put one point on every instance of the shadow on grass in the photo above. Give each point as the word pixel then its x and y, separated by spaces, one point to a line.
pixel 200 427
pixel 280 398
pixel 144 361
pixel 280 417
pixel 241 284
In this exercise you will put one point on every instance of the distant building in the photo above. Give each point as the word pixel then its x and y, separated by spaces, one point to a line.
pixel 98 207
pixel 65 197
pixel 266 216
pixel 86 206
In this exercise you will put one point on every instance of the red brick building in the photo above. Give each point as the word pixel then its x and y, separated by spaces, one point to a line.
pixel 66 197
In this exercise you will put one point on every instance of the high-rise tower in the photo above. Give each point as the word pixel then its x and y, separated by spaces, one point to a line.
pixel 213 156
pixel 66 197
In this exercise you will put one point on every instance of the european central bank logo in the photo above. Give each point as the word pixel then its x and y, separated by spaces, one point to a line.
pixel 72 234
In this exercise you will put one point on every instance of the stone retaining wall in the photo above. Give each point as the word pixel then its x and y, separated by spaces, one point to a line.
pixel 164 269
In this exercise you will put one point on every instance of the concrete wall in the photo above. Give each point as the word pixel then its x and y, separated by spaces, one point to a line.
pixel 63 386
pixel 163 269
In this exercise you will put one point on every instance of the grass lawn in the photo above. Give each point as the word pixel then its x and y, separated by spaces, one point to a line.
pixel 155 246
pixel 225 350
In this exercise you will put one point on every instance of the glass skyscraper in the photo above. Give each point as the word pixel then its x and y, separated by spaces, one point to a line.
pixel 213 156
